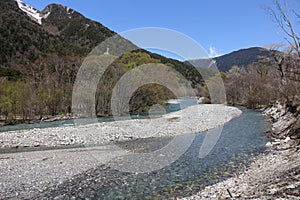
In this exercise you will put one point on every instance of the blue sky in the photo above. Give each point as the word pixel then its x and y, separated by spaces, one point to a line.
pixel 218 25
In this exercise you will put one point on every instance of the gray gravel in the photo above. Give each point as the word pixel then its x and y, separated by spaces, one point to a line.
pixel 32 172
pixel 193 119
pixel 26 174
pixel 272 175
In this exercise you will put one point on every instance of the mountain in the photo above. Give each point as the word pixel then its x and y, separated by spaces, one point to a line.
pixel 28 34
pixel 57 11
pixel 242 57
pixel 42 51
pixel 31 12
pixel 13 5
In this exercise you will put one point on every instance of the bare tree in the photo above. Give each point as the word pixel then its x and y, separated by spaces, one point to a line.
pixel 279 59
pixel 287 63
pixel 282 16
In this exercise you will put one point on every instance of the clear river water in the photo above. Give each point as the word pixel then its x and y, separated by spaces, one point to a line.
pixel 242 138
pixel 182 103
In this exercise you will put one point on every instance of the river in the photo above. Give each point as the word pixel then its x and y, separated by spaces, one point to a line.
pixel 242 138
pixel 182 103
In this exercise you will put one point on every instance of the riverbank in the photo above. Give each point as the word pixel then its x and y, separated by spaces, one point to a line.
pixel 194 119
pixel 19 120
pixel 26 174
pixel 274 174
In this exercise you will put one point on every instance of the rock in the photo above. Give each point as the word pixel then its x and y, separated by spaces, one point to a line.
pixel 276 143
pixel 286 120
pixel 269 144
pixel 204 100
pixel 287 139
pixel 291 187
pixel 273 191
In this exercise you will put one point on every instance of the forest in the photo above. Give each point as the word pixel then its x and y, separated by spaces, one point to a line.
pixel 45 88
pixel 38 67
pixel 39 64
pixel 277 79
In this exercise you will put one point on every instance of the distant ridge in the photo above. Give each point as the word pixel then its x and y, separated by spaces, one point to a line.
pixel 240 58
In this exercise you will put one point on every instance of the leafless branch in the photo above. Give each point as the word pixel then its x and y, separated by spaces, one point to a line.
pixel 282 19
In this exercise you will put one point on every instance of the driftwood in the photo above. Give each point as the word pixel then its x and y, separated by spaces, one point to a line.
pixel 229 193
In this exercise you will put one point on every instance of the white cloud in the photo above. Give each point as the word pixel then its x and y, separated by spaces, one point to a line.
pixel 212 52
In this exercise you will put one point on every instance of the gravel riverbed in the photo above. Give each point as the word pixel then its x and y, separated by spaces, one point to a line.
pixel 27 173
pixel 72 173
pixel 194 119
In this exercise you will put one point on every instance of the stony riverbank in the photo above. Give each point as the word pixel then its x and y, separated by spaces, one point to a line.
pixel 193 119
pixel 37 119
pixel 285 118
pixel 274 174
pixel 27 174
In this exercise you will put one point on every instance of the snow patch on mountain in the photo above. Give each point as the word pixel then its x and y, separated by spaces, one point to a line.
pixel 59 11
pixel 45 16
pixel 33 13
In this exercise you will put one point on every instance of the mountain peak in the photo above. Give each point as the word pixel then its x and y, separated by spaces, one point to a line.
pixel 52 11
pixel 58 11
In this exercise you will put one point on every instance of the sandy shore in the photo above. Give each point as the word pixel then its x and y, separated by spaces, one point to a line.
pixel 27 173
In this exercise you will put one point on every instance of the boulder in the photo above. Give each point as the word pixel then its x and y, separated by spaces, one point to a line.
pixel 204 100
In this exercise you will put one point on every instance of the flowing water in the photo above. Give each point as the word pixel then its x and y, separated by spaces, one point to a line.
pixel 241 139
pixel 182 103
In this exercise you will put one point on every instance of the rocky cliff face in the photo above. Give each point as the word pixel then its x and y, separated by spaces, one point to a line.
pixel 285 116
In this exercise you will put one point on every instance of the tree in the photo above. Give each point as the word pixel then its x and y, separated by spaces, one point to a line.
pixel 251 86
pixel 262 67
pixel 282 16
pixel 287 62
